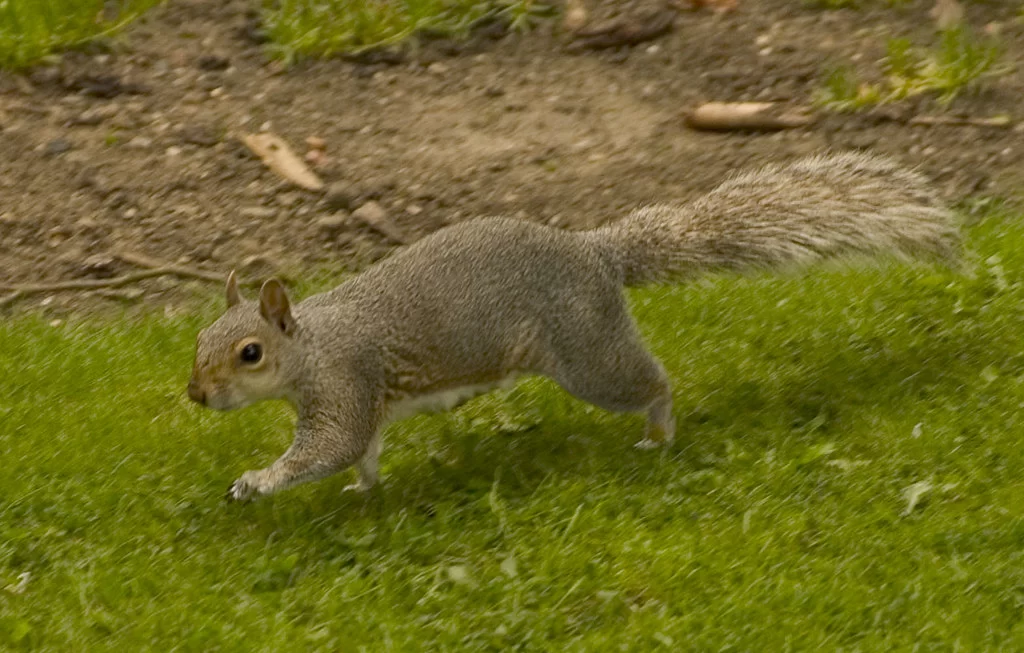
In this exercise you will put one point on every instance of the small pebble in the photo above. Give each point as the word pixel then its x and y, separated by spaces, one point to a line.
pixel 258 212
pixel 211 62
pixel 331 225
pixel 340 195
pixel 57 147
pixel 140 143
pixel 316 143
pixel 437 68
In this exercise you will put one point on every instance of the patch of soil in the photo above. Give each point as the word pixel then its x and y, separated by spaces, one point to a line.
pixel 138 150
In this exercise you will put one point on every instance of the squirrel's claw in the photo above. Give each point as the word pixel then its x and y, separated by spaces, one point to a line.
pixel 241 490
pixel 648 444
pixel 358 488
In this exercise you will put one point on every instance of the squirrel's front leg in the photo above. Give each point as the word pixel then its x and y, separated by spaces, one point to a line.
pixel 322 447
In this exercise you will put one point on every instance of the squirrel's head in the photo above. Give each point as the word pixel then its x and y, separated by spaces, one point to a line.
pixel 243 357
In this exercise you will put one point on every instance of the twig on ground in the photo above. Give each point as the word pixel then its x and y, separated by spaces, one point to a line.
pixel 996 121
pixel 154 269
pixel 84 284
pixel 143 261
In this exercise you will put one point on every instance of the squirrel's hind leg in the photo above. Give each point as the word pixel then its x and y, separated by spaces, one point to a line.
pixel 367 467
pixel 619 374
pixel 661 425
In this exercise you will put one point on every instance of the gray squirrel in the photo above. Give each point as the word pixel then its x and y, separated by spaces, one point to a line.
pixel 474 305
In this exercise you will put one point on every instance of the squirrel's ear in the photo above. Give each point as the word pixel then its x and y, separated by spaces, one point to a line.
pixel 274 306
pixel 234 297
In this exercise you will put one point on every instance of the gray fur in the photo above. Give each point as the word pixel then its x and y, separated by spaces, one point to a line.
pixel 818 208
pixel 476 304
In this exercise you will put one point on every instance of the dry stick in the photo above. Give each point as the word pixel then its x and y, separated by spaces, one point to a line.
pixel 960 122
pixel 85 284
pixel 143 261
pixel 156 269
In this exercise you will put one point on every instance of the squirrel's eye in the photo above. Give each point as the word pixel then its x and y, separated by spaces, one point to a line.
pixel 251 353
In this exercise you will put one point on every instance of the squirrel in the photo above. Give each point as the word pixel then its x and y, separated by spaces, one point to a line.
pixel 472 306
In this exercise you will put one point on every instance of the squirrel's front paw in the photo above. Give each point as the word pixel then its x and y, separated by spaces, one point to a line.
pixel 360 487
pixel 246 486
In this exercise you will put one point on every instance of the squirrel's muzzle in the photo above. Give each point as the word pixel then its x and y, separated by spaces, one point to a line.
pixel 196 393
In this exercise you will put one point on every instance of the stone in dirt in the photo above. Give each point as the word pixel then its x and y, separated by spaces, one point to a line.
pixel 201 135
pixel 437 68
pixel 93 116
pixel 99 266
pixel 212 62
pixel 140 143
pixel 104 86
pixel 341 195
pixel 625 30
pixel 288 200
pixel 373 214
pixel 316 143
pixel 330 226
pixel 258 212
pixel 260 265
pixel 57 147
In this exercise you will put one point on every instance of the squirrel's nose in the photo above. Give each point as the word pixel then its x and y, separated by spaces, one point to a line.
pixel 195 393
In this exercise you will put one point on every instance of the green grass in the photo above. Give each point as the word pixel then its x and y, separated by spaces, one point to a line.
pixel 812 412
pixel 959 63
pixel 329 27
pixel 31 30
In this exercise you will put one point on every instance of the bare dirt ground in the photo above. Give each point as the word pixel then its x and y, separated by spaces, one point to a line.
pixel 137 150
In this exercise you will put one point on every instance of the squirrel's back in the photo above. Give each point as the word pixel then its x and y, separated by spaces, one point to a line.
pixel 478 300
pixel 484 281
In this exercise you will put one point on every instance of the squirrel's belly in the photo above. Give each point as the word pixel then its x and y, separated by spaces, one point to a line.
pixel 436 402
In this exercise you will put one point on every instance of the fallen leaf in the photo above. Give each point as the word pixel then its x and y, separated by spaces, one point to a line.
pixel 913 494
pixel 990 374
pixel 816 451
pixel 664 639
pixel 22 584
pixel 459 575
pixel 510 567
pixel 280 158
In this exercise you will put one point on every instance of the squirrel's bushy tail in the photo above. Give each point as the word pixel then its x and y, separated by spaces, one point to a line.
pixel 818 208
